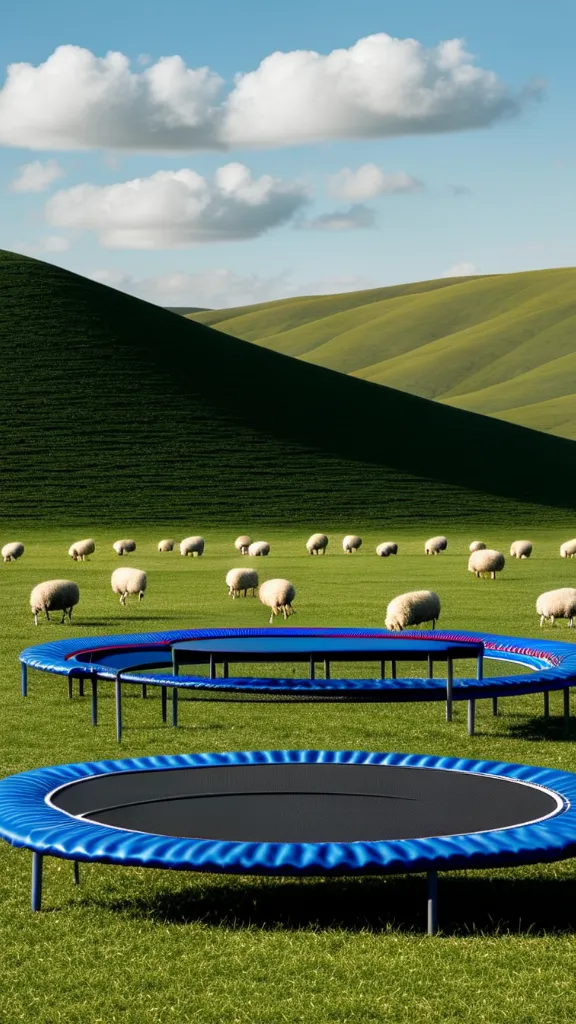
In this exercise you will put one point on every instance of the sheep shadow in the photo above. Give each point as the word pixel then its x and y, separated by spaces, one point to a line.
pixel 554 729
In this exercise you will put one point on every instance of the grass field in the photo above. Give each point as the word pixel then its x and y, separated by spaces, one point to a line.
pixel 501 345
pixel 142 947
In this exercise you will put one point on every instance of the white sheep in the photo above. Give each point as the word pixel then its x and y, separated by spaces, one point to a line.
pixel 12 551
pixel 240 581
pixel 387 548
pixel 278 595
pixel 477 545
pixel 122 547
pixel 435 545
pixel 351 543
pixel 486 561
pixel 568 549
pixel 259 547
pixel 412 609
pixel 242 543
pixel 127 581
pixel 521 549
pixel 54 596
pixel 557 604
pixel 192 546
pixel 317 544
pixel 166 545
pixel 80 548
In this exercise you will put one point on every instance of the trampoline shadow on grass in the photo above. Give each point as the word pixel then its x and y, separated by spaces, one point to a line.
pixel 552 729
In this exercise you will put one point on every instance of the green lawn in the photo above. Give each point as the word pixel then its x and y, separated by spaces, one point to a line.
pixel 139 946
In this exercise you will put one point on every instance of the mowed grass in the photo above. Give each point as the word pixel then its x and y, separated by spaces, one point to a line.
pixel 144 946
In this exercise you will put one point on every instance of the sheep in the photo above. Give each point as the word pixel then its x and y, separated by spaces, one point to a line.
pixel 240 581
pixel 12 551
pixel 412 609
pixel 80 548
pixel 435 545
pixel 259 547
pixel 192 546
pixel 486 561
pixel 278 595
pixel 127 581
pixel 166 545
pixel 54 596
pixel 242 543
pixel 122 547
pixel 351 543
pixel 557 604
pixel 387 548
pixel 477 545
pixel 568 549
pixel 521 549
pixel 317 544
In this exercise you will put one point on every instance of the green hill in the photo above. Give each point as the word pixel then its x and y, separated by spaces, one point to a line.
pixel 502 345
pixel 113 410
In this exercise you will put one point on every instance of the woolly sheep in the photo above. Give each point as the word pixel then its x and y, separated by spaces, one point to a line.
pixel 317 544
pixel 127 581
pixel 351 543
pixel 486 561
pixel 435 545
pixel 242 543
pixel 387 548
pixel 12 551
pixel 278 595
pixel 568 549
pixel 477 545
pixel 54 596
pixel 80 548
pixel 192 546
pixel 412 609
pixel 166 545
pixel 259 547
pixel 240 581
pixel 557 604
pixel 122 547
pixel 521 549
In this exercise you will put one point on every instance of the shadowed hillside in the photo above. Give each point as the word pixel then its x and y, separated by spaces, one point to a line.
pixel 113 409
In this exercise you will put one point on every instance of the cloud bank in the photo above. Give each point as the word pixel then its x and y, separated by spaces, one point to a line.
pixel 37 176
pixel 357 216
pixel 368 182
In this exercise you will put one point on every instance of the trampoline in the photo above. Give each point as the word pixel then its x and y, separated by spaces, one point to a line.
pixel 292 812
pixel 156 659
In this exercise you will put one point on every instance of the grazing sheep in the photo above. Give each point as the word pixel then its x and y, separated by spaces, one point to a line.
pixel 557 604
pixel 521 549
pixel 12 551
pixel 127 581
pixel 242 543
pixel 477 545
pixel 387 548
pixel 351 543
pixel 486 561
pixel 122 547
pixel 317 544
pixel 412 609
pixel 166 545
pixel 80 548
pixel 240 581
pixel 54 596
pixel 192 546
pixel 278 595
pixel 568 549
pixel 259 547
pixel 435 545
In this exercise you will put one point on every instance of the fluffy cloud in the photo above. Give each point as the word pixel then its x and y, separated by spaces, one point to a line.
pixel 463 269
pixel 357 216
pixel 368 182
pixel 37 176
pixel 377 88
pixel 177 209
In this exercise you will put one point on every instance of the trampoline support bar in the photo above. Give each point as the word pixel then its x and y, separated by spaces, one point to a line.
pixel 118 695
pixel 76 872
pixel 432 884
pixel 36 901
pixel 94 698
pixel 449 686
pixel 24 668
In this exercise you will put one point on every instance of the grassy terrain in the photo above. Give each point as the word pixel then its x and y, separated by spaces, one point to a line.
pixel 501 345
pixel 142 947
pixel 114 410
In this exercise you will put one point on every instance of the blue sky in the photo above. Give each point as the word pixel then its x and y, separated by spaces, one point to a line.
pixel 495 198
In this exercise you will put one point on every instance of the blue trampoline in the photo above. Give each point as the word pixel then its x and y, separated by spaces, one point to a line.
pixel 292 812
pixel 144 658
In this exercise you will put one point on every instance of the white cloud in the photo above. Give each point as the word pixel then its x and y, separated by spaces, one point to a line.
pixel 357 216
pixel 463 269
pixel 379 87
pixel 36 176
pixel 177 209
pixel 368 182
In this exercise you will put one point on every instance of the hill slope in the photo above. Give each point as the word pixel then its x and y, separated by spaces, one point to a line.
pixel 114 410
pixel 502 345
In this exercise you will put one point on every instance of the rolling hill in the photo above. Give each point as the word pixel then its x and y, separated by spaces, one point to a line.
pixel 113 410
pixel 501 345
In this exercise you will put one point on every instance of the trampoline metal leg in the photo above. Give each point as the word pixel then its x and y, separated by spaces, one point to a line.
pixel 24 676
pixel 495 706
pixel 163 698
pixel 118 696
pixel 37 859
pixel 212 667
pixel 432 917
pixel 394 670
pixel 546 704
pixel 471 716
pixel 430 667
pixel 94 698
pixel 81 686
pixel 174 663
pixel 144 691
pixel 174 706
pixel 382 670
pixel 225 669
pixel 480 666
pixel 76 872
pixel 449 688
pixel 70 687
pixel 327 670
pixel 312 669
pixel 566 693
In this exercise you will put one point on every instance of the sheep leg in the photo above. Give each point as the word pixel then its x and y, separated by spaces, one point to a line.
pixel 47 615
pixel 493 575
pixel 433 623
pixel 271 619
pixel 35 618
pixel 140 595
pixel 541 621
pixel 571 622
pixel 551 620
